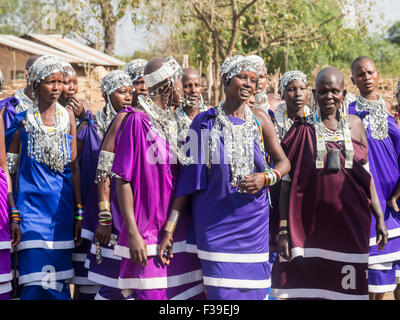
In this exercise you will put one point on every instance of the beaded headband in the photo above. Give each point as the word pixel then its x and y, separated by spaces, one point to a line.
pixel 43 67
pixel 169 70
pixel 135 69
pixel 289 77
pixel 68 69
pixel 398 87
pixel 234 65
pixel 115 80
pixel 258 62
pixel 2 83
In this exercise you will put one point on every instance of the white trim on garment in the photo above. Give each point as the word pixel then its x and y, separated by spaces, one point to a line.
pixel 5 287
pixel 78 257
pixel 105 252
pixel 381 266
pixel 383 258
pixel 39 276
pixel 89 289
pixel 152 249
pixel 160 282
pixel 237 283
pixel 5 245
pixel 103 280
pixel 190 293
pixel 381 288
pixel 330 255
pixel 6 277
pixel 391 234
pixel 51 245
pixel 233 257
pixel 87 234
pixel 314 294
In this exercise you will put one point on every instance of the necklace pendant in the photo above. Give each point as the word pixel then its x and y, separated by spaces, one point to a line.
pixel 334 159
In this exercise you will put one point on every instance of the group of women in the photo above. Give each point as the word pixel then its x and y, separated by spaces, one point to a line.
pixel 158 196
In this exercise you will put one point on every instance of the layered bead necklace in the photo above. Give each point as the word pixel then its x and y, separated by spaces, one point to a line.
pixel 283 121
pixel 184 121
pixel 377 117
pixel 49 145
pixel 103 118
pixel 163 123
pixel 24 102
pixel 238 143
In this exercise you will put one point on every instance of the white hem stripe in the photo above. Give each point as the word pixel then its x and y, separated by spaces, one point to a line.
pixel 233 257
pixel 51 245
pixel 314 293
pixel 237 283
pixel 330 255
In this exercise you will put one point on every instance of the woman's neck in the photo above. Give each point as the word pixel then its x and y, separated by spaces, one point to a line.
pixel 292 112
pixel 234 109
pixel 373 96
pixel 330 121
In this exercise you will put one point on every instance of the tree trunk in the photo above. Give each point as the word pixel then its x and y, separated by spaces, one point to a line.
pixel 109 39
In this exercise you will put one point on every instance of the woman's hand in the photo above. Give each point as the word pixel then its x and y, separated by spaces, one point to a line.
pixel 392 203
pixel 252 183
pixel 77 107
pixel 77 233
pixel 16 234
pixel 138 249
pixel 283 247
pixel 381 234
pixel 165 246
pixel 103 234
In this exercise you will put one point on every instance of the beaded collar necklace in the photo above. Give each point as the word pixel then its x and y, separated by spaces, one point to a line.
pixel 377 117
pixel 238 143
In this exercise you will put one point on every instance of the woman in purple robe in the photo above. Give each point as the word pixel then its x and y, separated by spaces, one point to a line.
pixel 10 232
pixel 227 181
pixel 146 167
pixel 326 203
pixel 383 152
pixel 103 218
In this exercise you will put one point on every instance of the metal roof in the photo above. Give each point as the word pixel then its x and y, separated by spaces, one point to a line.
pixel 35 48
pixel 84 52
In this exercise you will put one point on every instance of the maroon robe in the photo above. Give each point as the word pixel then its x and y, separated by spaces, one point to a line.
pixel 329 223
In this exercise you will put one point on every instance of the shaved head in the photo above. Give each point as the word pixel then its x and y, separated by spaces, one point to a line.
pixel 189 72
pixel 330 74
pixel 356 63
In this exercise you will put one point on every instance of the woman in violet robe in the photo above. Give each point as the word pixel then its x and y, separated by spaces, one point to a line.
pixel 103 265
pixel 326 203
pixel 383 137
pixel 146 168
pixel 10 232
pixel 230 204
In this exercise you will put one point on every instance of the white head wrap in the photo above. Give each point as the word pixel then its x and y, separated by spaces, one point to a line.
pixel 115 80
pixel 169 70
pixel 135 69
pixel 289 77
pixel 43 67
pixel 234 65
pixel 2 83
pixel 258 62
pixel 68 69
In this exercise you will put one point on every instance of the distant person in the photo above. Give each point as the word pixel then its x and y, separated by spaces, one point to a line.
pixel 21 101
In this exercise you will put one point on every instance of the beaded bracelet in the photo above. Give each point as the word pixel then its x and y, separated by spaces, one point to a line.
pixel 105 218
pixel 271 177
pixel 79 210
pixel 15 215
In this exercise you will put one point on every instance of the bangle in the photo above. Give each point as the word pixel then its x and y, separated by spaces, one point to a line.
pixel 105 214
pixel 104 206
pixel 14 215
pixel 105 222
pixel 283 223
pixel 271 177
pixel 172 221
pixel 282 232
pixel 80 206
pixel 79 218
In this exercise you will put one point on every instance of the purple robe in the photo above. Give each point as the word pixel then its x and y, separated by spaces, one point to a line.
pixel 9 112
pixel 329 223
pixel 153 185
pixel 383 158
pixel 5 240
pixel 231 228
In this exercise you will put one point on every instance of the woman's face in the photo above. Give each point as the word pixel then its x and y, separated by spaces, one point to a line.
pixel 140 88
pixel 262 82
pixel 329 94
pixel 50 88
pixel 191 87
pixel 70 86
pixel 365 76
pixel 177 92
pixel 296 95
pixel 242 86
pixel 121 98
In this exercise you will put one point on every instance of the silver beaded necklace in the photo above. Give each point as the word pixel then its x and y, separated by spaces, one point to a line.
pixel 238 143
pixel 377 117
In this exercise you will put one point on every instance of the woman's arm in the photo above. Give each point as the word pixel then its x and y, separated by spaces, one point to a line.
pixel 15 230
pixel 283 241
pixel 104 229
pixel 76 178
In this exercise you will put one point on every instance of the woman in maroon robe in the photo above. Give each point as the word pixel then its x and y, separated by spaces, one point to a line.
pixel 326 203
